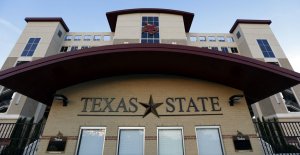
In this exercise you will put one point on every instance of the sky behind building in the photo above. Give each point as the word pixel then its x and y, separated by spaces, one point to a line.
pixel 211 16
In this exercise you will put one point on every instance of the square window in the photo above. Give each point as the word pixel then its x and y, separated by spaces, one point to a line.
pixel 106 38
pixel 229 39
pixel 170 141
pixel 221 39
pixel 209 140
pixel 77 38
pixel 64 49
pixel 214 48
pixel 87 38
pixel 193 38
pixel 97 38
pixel 238 35
pixel 211 38
pixel 131 141
pixel 234 50
pixel 202 38
pixel 74 48
pixel 91 141
pixel 59 33
pixel 68 38
pixel 224 49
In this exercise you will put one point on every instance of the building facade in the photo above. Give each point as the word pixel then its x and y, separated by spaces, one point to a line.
pixel 149 86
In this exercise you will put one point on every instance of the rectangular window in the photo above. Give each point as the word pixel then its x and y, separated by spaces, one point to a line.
pixel 97 38
pixel 221 39
pixel 211 38
pixel 265 48
pixel 170 141
pixel 234 50
pixel 202 38
pixel 224 49
pixel 68 38
pixel 59 33
pixel 131 141
pixel 209 140
pixel 238 35
pixel 64 49
pixel 193 38
pixel 30 46
pixel 77 38
pixel 214 48
pixel 106 38
pixel 91 141
pixel 87 38
pixel 74 48
pixel 229 39
pixel 150 30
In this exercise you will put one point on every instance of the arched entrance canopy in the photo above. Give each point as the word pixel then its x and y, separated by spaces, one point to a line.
pixel 40 79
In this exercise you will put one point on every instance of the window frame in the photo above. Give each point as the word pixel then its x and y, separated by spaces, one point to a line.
pixel 130 128
pixel 79 137
pixel 221 38
pixel 30 47
pixel 155 40
pixel 210 127
pixel 262 46
pixel 201 39
pixel 68 38
pixel 170 128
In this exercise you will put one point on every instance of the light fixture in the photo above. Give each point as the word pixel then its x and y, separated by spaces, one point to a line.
pixel 61 97
pixel 235 98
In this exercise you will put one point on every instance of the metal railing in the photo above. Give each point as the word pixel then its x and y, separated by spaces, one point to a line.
pixel 20 138
pixel 279 138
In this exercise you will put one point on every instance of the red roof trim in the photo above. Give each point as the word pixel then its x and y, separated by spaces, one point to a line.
pixel 40 79
pixel 248 21
pixel 113 15
pixel 48 19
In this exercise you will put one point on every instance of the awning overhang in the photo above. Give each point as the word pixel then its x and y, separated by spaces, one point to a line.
pixel 40 79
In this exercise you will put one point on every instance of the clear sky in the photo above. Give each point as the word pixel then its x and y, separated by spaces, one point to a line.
pixel 212 16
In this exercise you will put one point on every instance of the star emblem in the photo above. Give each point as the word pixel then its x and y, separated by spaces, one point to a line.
pixel 150 107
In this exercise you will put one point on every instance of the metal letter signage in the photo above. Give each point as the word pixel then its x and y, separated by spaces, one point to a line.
pixel 170 106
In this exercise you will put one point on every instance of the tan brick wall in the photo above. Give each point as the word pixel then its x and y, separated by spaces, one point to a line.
pixel 67 121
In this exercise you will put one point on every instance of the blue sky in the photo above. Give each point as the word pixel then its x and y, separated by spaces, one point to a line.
pixel 215 16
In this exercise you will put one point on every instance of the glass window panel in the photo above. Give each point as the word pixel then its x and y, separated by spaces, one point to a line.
pixel 193 38
pixel 31 40
pixel 106 38
pixel 156 35
pixel 97 37
pixel 37 40
pixel 24 53
pixel 202 38
pixel 155 19
pixel 91 142
pixel 144 19
pixel 33 47
pixel 211 38
pixel 144 40
pixel 27 47
pixel 229 39
pixel 170 142
pixel 271 54
pixel 150 19
pixel 30 53
pixel 131 142
pixel 221 39
pixel 208 141
pixel 156 41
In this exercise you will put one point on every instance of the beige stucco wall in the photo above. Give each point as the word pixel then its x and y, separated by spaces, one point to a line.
pixel 171 27
pixel 230 118
pixel 249 35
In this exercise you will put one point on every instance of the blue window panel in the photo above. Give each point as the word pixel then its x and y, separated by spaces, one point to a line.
pixel 33 47
pixel 28 46
pixel 144 35
pixel 24 53
pixel 266 54
pixel 144 19
pixel 156 35
pixel 271 54
pixel 144 40
pixel 150 19
pixel 155 19
pixel 31 40
pixel 37 40
pixel 30 53
pixel 156 41
pixel 156 23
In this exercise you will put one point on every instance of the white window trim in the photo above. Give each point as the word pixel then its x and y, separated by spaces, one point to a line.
pixel 79 137
pixel 211 127
pixel 130 128
pixel 170 128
